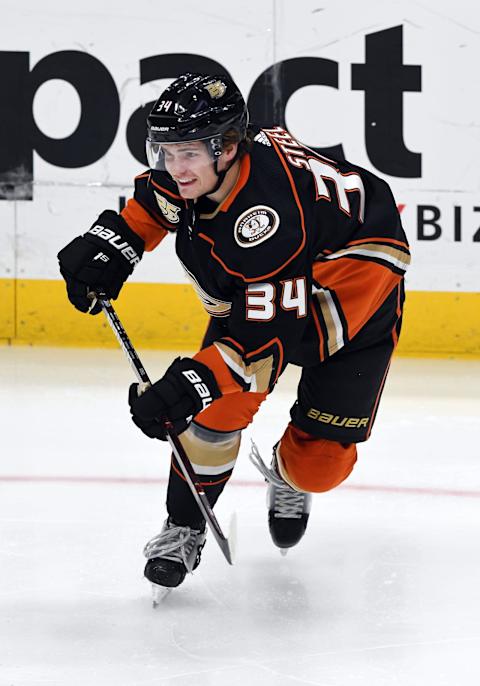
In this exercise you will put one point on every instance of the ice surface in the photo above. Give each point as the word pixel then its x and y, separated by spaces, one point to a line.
pixel 383 589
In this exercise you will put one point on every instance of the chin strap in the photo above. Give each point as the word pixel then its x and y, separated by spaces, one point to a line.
pixel 221 175
pixel 220 178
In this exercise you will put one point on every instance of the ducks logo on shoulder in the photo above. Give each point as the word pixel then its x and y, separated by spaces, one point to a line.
pixel 169 211
pixel 256 225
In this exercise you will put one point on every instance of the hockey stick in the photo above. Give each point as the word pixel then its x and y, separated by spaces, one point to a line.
pixel 185 465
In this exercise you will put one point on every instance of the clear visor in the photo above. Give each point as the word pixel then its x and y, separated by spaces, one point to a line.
pixel 175 157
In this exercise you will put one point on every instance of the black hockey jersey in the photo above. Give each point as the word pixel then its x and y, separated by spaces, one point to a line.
pixel 294 261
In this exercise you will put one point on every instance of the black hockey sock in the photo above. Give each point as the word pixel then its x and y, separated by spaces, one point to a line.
pixel 182 506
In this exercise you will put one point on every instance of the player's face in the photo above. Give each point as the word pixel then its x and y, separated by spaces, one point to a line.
pixel 191 167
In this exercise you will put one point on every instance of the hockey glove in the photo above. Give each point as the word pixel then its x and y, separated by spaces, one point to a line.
pixel 100 260
pixel 187 388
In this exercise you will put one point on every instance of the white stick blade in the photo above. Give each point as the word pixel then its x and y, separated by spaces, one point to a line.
pixel 232 536
pixel 159 593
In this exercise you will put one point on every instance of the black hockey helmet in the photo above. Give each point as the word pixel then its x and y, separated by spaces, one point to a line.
pixel 196 107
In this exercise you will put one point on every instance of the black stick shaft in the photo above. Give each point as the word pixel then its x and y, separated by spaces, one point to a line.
pixel 185 465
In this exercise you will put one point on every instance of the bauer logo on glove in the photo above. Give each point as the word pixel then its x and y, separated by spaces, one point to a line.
pixel 108 235
pixel 187 388
pixel 200 387
pixel 100 261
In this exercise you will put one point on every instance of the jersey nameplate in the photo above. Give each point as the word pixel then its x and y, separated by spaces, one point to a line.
pixel 256 225
pixel 169 211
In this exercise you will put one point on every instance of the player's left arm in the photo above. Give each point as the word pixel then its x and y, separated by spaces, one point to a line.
pixel 155 209
pixel 267 321
pixel 352 280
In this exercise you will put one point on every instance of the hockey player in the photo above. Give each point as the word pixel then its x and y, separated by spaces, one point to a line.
pixel 298 259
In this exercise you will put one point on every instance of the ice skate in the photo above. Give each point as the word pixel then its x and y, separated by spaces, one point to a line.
pixel 175 551
pixel 288 509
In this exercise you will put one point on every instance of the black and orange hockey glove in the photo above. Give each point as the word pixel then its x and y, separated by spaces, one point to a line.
pixel 100 260
pixel 187 388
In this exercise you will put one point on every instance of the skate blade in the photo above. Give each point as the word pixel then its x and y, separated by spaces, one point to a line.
pixel 159 593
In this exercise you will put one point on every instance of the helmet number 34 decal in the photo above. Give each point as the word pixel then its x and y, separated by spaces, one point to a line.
pixel 260 299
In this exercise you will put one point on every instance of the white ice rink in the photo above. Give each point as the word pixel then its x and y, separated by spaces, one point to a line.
pixel 383 590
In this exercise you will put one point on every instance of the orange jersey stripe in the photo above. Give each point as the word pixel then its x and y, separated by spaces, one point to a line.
pixel 214 361
pixel 399 312
pixel 245 171
pixel 164 190
pixel 321 339
pixel 242 276
pixel 143 224
pixel 242 179
pixel 236 343
pixel 295 195
pixel 360 286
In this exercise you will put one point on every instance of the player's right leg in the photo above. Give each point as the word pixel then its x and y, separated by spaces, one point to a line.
pixel 177 549
pixel 212 443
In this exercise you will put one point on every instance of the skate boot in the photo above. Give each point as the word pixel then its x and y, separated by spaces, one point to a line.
pixel 175 551
pixel 288 509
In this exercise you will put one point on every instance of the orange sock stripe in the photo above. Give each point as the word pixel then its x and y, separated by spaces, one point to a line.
pixel 202 483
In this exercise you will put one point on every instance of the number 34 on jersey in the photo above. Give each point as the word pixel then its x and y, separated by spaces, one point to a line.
pixel 261 299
